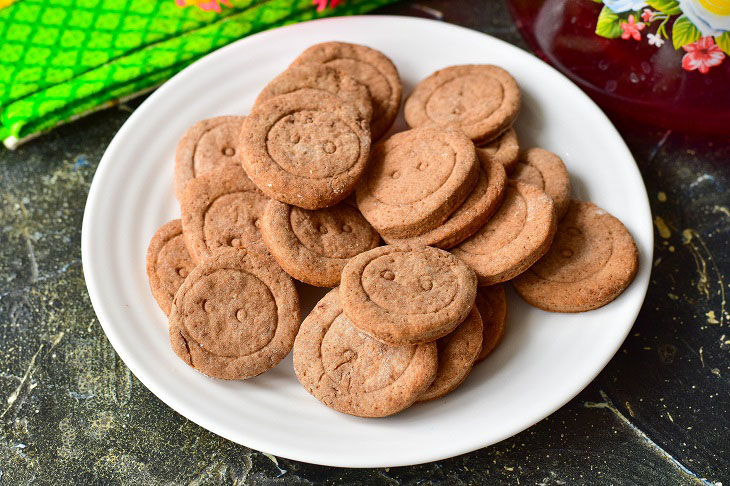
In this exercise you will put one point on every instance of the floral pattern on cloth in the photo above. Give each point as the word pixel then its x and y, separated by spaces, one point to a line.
pixel 699 27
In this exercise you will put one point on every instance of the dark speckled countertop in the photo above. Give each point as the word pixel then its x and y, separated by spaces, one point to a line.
pixel 71 412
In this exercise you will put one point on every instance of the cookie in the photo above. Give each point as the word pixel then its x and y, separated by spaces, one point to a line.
pixel 503 149
pixel 306 148
pixel 518 234
pixel 206 145
pixel 416 179
pixel 481 99
pixel 492 305
pixel 592 260
pixel 221 209
pixel 545 170
pixel 236 315
pixel 353 373
pixel 168 263
pixel 403 296
pixel 457 352
pixel 469 217
pixel 314 246
pixel 369 67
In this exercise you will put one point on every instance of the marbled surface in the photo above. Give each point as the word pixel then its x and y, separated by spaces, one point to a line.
pixel 71 412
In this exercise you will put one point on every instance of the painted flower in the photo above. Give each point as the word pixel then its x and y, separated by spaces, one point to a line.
pixel 322 4
pixel 632 29
pixel 711 17
pixel 648 15
pixel 655 39
pixel 702 55
pixel 619 6
pixel 213 5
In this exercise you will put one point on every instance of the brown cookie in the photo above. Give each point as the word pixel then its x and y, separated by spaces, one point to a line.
pixel 353 373
pixel 492 305
pixel 547 171
pixel 519 233
pixel 592 260
pixel 368 66
pixel 469 217
pixel 504 149
pixel 482 100
pixel 457 352
pixel 416 179
pixel 314 246
pixel 403 296
pixel 168 263
pixel 221 209
pixel 323 78
pixel 206 145
pixel 236 315
pixel 306 148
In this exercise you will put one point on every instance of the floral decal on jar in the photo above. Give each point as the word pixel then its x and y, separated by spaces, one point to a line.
pixel 699 27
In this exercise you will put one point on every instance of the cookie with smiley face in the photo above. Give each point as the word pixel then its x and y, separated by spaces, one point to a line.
pixel 403 296
pixel 416 179
pixel 504 149
pixel 353 373
pixel 492 305
pixel 592 260
pixel 168 263
pixel 482 100
pixel 207 145
pixel 314 245
pixel 545 170
pixel 306 148
pixel 236 315
pixel 221 209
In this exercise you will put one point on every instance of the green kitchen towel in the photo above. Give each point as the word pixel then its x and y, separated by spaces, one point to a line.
pixel 62 59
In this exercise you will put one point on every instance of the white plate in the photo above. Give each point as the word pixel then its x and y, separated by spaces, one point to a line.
pixel 544 360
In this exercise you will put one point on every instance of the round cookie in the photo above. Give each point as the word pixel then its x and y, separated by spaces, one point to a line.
pixel 545 170
pixel 492 305
pixel 323 78
pixel 314 246
pixel 221 209
pixel 404 296
pixel 416 179
pixel 236 315
pixel 592 260
pixel 205 146
pixel 457 352
pixel 369 67
pixel 469 217
pixel 503 149
pixel 519 233
pixel 481 99
pixel 353 373
pixel 168 263
pixel 306 148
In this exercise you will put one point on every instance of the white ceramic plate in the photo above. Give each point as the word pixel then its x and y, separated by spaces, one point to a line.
pixel 544 360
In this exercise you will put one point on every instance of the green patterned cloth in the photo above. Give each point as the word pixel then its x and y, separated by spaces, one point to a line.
pixel 62 59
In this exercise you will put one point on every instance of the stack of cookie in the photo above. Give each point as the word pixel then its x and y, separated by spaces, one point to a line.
pixel 298 189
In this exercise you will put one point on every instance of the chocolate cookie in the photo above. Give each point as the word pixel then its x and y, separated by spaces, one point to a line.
pixel 168 263
pixel 306 148
pixel 492 305
pixel 221 209
pixel 403 296
pixel 206 145
pixel 323 78
pixel 517 236
pixel 416 179
pixel 482 100
pixel 314 246
pixel 457 352
pixel 547 171
pixel 592 260
pixel 503 149
pixel 236 315
pixel 368 66
pixel 469 217
pixel 354 373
